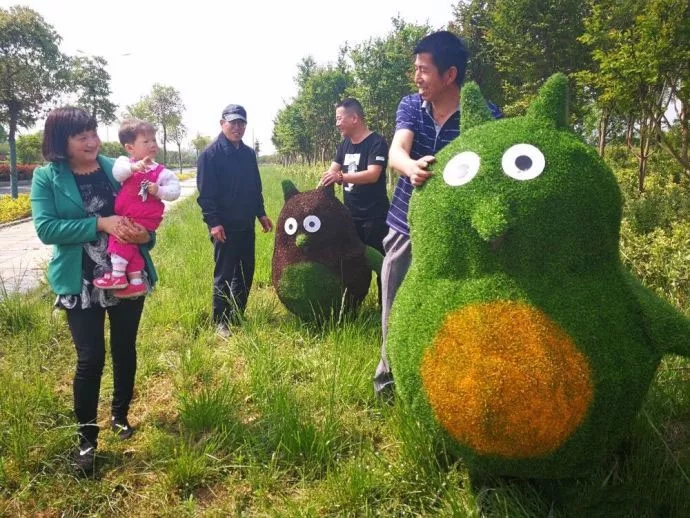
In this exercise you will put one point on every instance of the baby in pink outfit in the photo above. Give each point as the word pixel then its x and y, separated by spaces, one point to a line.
pixel 144 185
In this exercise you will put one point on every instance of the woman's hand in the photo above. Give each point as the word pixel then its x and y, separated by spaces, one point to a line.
pixel 124 229
pixel 109 224
pixel 131 232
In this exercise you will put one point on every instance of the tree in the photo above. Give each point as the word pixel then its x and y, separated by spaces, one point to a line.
pixel 290 136
pixel 316 102
pixel 113 149
pixel 4 146
pixel 471 19
pixel 641 50
pixel 29 148
pixel 177 133
pixel 529 40
pixel 382 69
pixel 200 142
pixel 90 81
pixel 32 73
pixel 304 70
pixel 163 107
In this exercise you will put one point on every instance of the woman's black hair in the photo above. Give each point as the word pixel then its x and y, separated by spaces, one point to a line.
pixel 61 124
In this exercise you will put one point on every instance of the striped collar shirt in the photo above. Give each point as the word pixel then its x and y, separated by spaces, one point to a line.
pixel 429 138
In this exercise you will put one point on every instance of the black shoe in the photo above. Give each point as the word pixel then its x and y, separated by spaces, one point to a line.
pixel 223 331
pixel 121 427
pixel 385 393
pixel 84 458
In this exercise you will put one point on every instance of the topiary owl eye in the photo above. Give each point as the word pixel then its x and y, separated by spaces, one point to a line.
pixel 461 168
pixel 311 223
pixel 290 226
pixel 523 162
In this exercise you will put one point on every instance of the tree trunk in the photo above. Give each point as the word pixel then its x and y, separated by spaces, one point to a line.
pixel 684 132
pixel 646 136
pixel 630 131
pixel 14 187
pixel 165 149
pixel 179 155
pixel 641 172
pixel 603 128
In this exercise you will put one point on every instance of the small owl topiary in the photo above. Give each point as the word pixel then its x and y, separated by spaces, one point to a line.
pixel 319 262
pixel 518 335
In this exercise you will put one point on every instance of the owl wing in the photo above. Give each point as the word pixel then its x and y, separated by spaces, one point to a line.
pixel 667 328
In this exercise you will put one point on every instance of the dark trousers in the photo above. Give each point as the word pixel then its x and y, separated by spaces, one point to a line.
pixel 372 232
pixel 232 275
pixel 88 332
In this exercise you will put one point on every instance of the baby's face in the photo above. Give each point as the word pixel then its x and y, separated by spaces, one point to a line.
pixel 144 146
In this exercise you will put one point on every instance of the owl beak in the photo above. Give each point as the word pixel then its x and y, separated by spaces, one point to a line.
pixel 302 241
pixel 491 220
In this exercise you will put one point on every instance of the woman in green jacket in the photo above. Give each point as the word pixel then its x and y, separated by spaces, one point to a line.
pixel 72 203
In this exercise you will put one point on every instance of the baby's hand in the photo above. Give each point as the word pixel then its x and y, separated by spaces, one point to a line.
pixel 153 188
pixel 142 164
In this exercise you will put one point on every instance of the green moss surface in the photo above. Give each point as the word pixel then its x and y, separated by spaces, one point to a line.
pixel 548 244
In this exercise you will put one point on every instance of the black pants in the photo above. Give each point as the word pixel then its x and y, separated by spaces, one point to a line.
pixel 232 275
pixel 372 232
pixel 88 332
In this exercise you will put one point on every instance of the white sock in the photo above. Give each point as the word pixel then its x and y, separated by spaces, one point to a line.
pixel 119 265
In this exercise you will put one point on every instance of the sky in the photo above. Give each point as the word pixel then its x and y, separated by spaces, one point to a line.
pixel 220 52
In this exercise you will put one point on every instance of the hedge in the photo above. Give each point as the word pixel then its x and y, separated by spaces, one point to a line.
pixel 24 171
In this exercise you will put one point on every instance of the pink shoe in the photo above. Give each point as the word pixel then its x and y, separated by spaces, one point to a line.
pixel 110 282
pixel 131 291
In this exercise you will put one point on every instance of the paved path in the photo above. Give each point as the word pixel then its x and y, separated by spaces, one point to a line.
pixel 23 257
pixel 23 186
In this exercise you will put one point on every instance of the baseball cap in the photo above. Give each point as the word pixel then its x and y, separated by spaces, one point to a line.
pixel 234 112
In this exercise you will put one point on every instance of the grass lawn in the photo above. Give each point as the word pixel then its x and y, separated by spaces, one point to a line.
pixel 280 419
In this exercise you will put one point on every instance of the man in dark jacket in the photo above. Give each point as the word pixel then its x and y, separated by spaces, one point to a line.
pixel 230 198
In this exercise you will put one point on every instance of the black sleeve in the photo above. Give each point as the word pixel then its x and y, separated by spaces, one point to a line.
pixel 260 209
pixel 378 155
pixel 207 184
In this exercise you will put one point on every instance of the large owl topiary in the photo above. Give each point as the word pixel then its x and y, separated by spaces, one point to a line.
pixel 517 334
pixel 319 262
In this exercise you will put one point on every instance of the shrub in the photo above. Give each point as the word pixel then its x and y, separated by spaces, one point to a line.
pixel 12 209
pixel 24 171
pixel 660 259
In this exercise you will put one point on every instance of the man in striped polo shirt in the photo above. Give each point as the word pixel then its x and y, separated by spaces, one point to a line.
pixel 424 123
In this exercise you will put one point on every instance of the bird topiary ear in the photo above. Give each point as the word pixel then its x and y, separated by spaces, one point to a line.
pixel 329 190
pixel 473 108
pixel 551 103
pixel 289 189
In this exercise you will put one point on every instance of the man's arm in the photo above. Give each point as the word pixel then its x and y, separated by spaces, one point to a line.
pixel 334 172
pixel 207 184
pixel 332 175
pixel 399 158
pixel 264 220
pixel 370 175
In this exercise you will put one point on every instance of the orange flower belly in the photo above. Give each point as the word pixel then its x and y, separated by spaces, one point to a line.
pixel 505 380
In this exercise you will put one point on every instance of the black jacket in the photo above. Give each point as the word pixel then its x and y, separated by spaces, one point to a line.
pixel 229 185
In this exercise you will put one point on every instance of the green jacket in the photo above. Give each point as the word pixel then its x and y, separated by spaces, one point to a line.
pixel 61 220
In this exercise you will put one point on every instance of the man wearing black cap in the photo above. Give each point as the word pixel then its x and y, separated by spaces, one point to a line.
pixel 230 199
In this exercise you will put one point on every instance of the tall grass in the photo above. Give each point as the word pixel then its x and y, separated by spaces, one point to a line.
pixel 280 419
